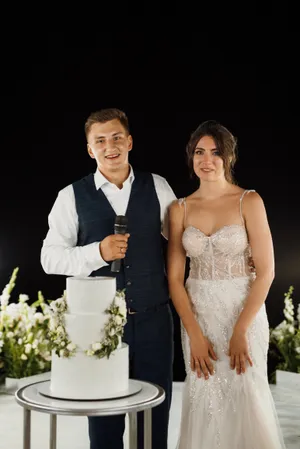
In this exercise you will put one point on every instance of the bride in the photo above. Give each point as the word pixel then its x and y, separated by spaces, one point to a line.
pixel 227 403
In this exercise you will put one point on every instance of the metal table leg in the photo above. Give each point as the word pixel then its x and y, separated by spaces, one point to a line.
pixel 133 430
pixel 26 428
pixel 53 430
pixel 148 429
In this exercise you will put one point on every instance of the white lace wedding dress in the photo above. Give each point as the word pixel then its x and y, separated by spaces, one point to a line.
pixel 227 411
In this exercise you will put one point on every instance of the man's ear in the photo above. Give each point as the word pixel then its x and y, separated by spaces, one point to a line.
pixel 90 151
pixel 130 143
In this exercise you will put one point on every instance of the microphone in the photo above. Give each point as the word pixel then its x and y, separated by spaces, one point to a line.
pixel 120 227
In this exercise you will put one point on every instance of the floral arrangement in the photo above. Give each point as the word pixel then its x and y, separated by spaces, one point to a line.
pixel 58 336
pixel 113 330
pixel 24 344
pixel 285 338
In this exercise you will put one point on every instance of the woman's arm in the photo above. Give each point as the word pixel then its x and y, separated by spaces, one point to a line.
pixel 200 346
pixel 260 240
pixel 176 269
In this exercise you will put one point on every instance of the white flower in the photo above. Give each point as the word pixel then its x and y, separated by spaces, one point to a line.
pixel 1 333
pixel 39 317
pixel 120 302
pixel 298 350
pixel 278 335
pixel 112 332
pixel 282 325
pixel 118 320
pixel 12 312
pixel 22 325
pixel 53 323
pixel 4 299
pixel 46 356
pixel 89 352
pixel 28 327
pixel 46 310
pixel 35 344
pixel 1 343
pixel 71 347
pixel 96 346
pixel 23 298
pixel 53 306
pixel 60 330
pixel 298 315
pixel 123 309
pixel 289 316
pixel 61 352
pixel 27 348
pixel 30 335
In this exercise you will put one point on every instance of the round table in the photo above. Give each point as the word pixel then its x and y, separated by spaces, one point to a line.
pixel 149 396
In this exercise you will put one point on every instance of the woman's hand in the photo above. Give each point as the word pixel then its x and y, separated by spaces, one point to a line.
pixel 201 351
pixel 239 352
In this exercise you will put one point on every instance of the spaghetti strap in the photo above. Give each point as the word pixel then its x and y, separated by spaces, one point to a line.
pixel 182 201
pixel 241 199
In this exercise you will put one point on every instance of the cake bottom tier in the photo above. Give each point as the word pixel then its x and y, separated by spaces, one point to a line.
pixel 83 377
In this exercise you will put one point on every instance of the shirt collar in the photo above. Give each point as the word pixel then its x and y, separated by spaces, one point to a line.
pixel 100 179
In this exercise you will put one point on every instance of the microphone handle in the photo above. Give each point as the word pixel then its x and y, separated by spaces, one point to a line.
pixel 116 266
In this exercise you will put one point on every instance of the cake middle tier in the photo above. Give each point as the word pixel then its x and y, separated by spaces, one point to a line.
pixel 85 329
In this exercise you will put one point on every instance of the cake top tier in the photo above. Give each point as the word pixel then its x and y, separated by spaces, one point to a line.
pixel 90 294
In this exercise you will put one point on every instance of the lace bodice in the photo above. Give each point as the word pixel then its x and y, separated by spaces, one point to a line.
pixel 223 255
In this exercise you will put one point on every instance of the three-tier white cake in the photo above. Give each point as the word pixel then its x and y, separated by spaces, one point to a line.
pixel 83 375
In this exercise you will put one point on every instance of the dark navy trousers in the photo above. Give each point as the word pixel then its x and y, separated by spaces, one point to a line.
pixel 150 339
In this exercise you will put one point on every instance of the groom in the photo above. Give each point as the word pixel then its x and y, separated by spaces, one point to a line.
pixel 81 241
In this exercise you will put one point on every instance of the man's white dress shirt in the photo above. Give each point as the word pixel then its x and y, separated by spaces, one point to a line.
pixel 60 255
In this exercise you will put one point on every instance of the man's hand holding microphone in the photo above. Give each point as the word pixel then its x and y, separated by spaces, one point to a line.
pixel 113 247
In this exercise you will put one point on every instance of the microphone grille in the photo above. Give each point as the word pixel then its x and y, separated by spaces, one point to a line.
pixel 121 220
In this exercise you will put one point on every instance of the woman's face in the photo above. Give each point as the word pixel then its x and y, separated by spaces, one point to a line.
pixel 207 162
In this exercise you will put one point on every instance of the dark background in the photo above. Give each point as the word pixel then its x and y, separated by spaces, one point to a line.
pixel 167 87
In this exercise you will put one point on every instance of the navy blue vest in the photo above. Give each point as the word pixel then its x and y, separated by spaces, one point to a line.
pixel 142 271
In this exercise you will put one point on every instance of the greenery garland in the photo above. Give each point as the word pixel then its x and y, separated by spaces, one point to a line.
pixel 113 330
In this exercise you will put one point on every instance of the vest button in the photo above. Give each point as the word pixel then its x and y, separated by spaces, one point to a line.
pixel 127 266
pixel 128 282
